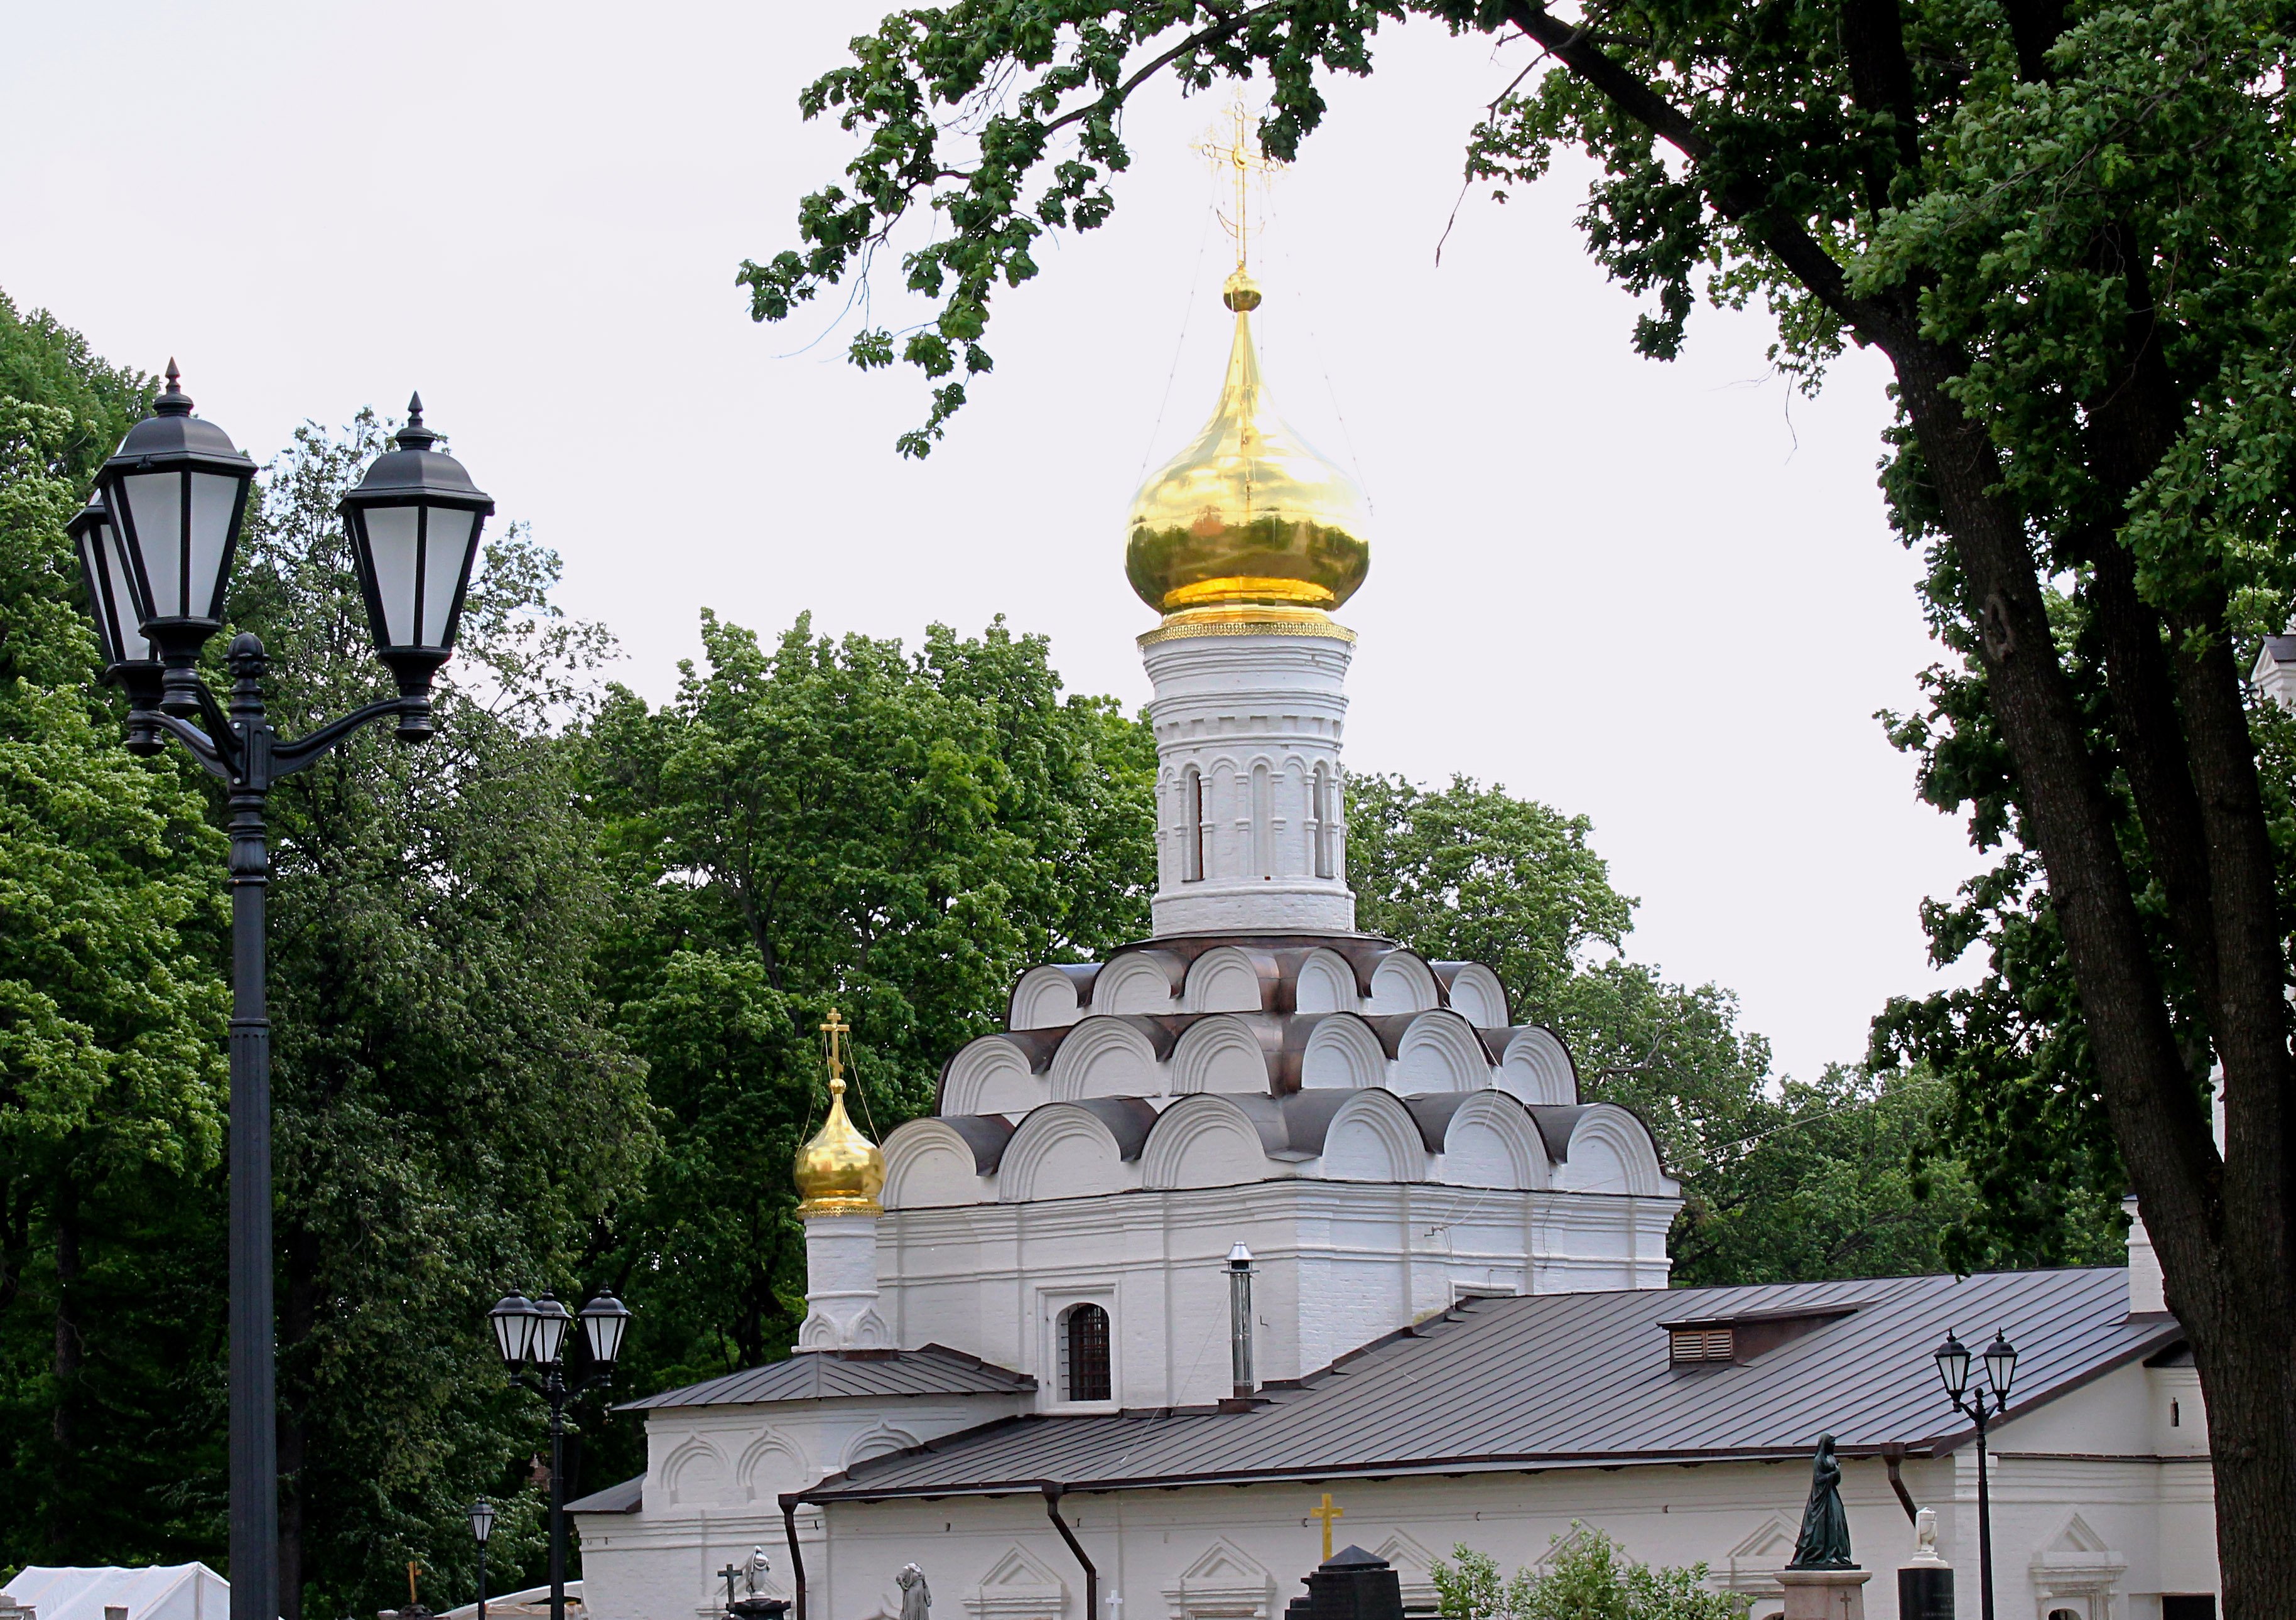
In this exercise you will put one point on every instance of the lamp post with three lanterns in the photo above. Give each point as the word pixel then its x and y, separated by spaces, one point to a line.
pixel 156 545
pixel 1953 1359
pixel 532 1332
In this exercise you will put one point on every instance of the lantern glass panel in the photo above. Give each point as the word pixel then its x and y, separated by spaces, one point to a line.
pixel 1953 1365
pixel 482 1521
pixel 604 1320
pixel 214 505
pixel 513 1325
pixel 2001 1364
pixel 445 549
pixel 550 1325
pixel 155 509
pixel 393 540
pixel 122 598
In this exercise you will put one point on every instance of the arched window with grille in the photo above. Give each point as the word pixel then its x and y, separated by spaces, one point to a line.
pixel 1192 828
pixel 1319 813
pixel 1084 1353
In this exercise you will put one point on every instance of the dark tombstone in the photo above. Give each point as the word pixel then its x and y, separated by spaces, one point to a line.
pixel 1353 1584
pixel 1925 1591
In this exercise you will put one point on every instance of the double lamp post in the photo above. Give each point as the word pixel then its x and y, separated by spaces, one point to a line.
pixel 531 1334
pixel 156 542
pixel 1953 1359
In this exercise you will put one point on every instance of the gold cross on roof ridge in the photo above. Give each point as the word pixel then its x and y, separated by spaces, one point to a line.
pixel 1241 157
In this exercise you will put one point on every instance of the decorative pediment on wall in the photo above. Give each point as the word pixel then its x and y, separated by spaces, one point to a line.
pixel 1224 1581
pixel 697 1476
pixel 1559 1546
pixel 1411 1563
pixel 1017 1587
pixel 2077 1572
pixel 1753 1566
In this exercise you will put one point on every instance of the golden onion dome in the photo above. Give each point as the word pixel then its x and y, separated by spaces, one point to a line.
pixel 841 1171
pixel 1247 515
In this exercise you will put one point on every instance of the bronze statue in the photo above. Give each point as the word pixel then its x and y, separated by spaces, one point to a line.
pixel 1824 1540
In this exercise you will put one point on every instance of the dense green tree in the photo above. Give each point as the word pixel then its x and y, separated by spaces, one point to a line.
pixel 1782 1180
pixel 453 1115
pixel 111 1019
pixel 2070 227
pixel 816 823
pixel 1584 1575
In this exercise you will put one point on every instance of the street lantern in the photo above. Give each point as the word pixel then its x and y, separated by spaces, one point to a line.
pixel 604 1320
pixel 157 543
pixel 1952 1366
pixel 550 1325
pixel 482 1526
pixel 176 488
pixel 414 521
pixel 2001 1364
pixel 534 1330
pixel 514 1324
pixel 1981 1407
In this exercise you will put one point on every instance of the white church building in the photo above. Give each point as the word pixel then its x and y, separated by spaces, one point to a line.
pixel 1263 1230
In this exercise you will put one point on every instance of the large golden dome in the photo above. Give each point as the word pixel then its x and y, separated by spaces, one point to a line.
pixel 1248 515
pixel 841 1171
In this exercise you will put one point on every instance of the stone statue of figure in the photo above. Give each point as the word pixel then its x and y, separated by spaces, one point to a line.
pixel 1824 1540
pixel 916 1597
pixel 753 1576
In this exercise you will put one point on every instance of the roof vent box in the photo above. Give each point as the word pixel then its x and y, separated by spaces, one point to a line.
pixel 1707 1341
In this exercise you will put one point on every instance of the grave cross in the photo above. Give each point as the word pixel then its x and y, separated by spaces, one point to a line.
pixel 729 1574
pixel 1327 1513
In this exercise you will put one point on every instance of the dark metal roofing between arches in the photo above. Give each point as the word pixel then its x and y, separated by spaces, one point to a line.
pixel 1573 1379
pixel 819 1375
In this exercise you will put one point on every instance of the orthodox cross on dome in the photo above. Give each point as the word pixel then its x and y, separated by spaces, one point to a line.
pixel 832 1048
pixel 1238 157
pixel 1327 1513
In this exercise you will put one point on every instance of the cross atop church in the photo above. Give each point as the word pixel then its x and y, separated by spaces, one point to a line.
pixel 832 1047
pixel 1327 1513
pixel 1242 161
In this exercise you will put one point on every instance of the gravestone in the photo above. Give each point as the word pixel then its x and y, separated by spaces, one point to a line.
pixel 1352 1584
pixel 1925 1580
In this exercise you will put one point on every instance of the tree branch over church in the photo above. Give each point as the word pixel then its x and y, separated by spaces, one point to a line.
pixel 2069 230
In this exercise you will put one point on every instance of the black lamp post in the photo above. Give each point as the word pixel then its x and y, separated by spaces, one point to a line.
pixel 482 1526
pixel 533 1332
pixel 157 544
pixel 1953 1360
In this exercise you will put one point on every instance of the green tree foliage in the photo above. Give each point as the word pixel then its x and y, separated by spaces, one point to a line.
pixel 112 1021
pixel 2071 230
pixel 1587 1577
pixel 1782 1180
pixel 454 1116
pixel 816 823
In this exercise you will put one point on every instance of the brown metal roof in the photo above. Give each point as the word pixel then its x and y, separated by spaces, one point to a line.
pixel 817 1375
pixel 1569 1380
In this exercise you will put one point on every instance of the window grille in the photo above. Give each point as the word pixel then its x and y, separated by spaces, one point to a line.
pixel 1191 836
pixel 1084 1353
pixel 1688 1345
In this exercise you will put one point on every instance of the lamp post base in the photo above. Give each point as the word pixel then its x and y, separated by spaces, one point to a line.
pixel 1824 1594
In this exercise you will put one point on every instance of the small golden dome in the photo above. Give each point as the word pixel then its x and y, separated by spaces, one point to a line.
pixel 840 1172
pixel 1248 514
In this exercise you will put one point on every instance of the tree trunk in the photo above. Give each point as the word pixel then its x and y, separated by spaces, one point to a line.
pixel 298 1311
pixel 2220 1231
pixel 69 1349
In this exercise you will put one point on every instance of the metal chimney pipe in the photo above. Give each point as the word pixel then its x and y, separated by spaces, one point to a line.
pixel 1238 1310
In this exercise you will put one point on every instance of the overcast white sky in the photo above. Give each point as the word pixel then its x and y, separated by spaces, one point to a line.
pixel 1662 595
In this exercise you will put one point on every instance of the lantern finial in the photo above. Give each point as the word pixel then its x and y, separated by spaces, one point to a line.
pixel 173 401
pixel 414 436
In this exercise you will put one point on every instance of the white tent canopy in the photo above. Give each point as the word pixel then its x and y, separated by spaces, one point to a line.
pixel 164 1592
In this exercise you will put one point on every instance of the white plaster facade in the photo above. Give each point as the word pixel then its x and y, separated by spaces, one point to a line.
pixel 1251 836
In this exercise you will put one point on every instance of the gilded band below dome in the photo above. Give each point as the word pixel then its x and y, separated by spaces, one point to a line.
pixel 1248 512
